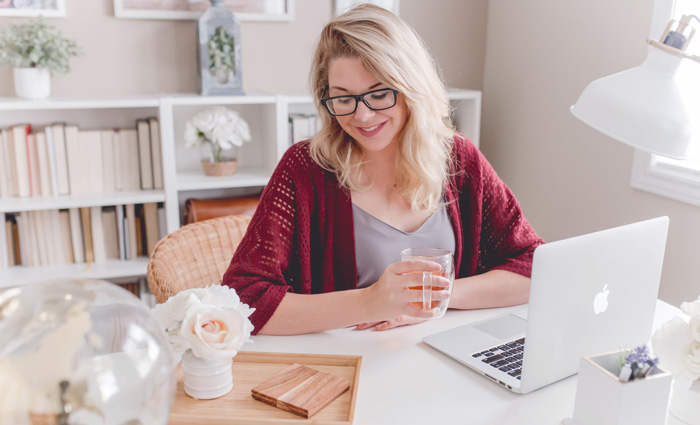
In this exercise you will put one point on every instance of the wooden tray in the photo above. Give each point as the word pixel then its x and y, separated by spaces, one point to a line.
pixel 249 370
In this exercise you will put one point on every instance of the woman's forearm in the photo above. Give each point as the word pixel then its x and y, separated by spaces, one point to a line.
pixel 300 314
pixel 495 288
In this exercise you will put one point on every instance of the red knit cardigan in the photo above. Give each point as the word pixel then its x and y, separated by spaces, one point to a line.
pixel 301 237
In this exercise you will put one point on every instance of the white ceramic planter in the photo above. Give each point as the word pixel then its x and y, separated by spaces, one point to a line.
pixel 602 399
pixel 206 379
pixel 32 83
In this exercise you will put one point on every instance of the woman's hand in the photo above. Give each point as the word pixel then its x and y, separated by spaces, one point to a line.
pixel 390 297
pixel 390 324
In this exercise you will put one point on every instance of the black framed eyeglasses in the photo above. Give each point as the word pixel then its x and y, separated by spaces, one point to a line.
pixel 376 100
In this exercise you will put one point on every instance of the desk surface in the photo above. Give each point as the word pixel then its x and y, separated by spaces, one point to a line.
pixel 404 381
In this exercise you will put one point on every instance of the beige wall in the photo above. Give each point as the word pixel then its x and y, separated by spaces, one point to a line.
pixel 569 178
pixel 125 56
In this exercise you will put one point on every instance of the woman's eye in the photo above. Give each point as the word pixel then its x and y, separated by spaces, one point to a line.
pixel 379 96
pixel 344 100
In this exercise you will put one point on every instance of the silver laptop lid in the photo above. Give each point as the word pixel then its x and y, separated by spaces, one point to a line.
pixel 591 294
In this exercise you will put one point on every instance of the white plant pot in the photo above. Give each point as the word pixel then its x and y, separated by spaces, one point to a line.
pixel 32 83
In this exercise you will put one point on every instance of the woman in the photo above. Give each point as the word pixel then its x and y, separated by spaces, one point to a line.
pixel 387 167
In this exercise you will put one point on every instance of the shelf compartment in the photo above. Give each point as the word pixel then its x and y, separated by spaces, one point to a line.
pixel 110 269
pixel 244 177
pixel 89 200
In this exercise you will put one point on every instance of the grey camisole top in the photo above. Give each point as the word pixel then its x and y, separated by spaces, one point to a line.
pixel 378 244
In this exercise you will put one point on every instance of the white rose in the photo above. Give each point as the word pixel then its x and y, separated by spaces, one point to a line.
pixel 695 328
pixel 215 332
pixel 674 345
pixel 191 135
pixel 205 121
pixel 691 308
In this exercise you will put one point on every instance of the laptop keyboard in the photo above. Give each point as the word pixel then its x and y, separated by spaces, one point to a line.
pixel 507 358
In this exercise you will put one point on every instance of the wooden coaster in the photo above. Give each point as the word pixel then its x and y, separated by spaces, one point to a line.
pixel 300 390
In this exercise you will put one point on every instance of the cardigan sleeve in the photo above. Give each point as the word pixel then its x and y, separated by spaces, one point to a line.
pixel 506 239
pixel 262 267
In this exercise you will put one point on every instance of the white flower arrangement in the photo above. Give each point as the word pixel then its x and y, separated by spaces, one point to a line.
pixel 211 321
pixel 223 128
pixel 677 344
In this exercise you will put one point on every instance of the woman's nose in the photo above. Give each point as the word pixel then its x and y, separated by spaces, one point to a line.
pixel 363 113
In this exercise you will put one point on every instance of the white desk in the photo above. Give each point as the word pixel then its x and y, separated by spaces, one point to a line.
pixel 404 381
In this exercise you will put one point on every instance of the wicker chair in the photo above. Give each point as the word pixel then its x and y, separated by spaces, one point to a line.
pixel 195 255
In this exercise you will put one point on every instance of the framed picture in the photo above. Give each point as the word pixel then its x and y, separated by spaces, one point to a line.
pixel 390 5
pixel 46 8
pixel 245 10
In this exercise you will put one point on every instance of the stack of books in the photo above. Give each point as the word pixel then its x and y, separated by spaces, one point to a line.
pixel 61 159
pixel 83 235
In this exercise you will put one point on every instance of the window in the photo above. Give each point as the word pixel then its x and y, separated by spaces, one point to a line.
pixel 673 178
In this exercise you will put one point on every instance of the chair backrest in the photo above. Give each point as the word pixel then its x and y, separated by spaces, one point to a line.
pixel 194 256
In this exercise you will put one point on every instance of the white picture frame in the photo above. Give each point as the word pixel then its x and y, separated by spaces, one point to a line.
pixel 390 5
pixel 245 10
pixel 33 8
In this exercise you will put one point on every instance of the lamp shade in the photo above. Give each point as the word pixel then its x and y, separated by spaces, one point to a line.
pixel 641 107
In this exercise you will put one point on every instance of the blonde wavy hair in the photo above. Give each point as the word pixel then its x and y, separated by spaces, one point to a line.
pixel 393 52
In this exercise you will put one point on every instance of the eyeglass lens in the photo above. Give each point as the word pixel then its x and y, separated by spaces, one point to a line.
pixel 377 100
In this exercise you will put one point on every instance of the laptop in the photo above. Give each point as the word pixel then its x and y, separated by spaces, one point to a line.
pixel 589 294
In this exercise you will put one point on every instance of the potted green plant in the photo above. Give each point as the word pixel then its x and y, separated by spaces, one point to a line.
pixel 36 50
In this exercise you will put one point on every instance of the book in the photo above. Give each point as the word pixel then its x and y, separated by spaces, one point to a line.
pixel 51 152
pixel 40 238
pixel 56 237
pixel 162 228
pixel 119 160
pixel 6 172
pixel 42 149
pixel 21 240
pixel 150 215
pixel 108 161
pixel 145 161
pixel 140 232
pixel 156 154
pixel 15 242
pixel 78 171
pixel 109 224
pixel 122 233
pixel 8 155
pixel 129 157
pixel 76 233
pixel 33 159
pixel 27 239
pixel 131 228
pixel 9 246
pixel 98 235
pixel 59 142
pixel 91 143
pixel 66 237
pixel 19 145
pixel 86 225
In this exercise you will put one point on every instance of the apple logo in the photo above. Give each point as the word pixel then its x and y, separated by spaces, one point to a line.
pixel 600 302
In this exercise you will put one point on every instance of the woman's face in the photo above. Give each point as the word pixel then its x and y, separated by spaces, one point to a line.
pixel 374 131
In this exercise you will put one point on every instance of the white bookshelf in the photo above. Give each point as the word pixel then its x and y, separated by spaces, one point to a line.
pixel 266 114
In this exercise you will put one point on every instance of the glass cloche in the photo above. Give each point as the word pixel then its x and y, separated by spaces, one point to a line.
pixel 82 352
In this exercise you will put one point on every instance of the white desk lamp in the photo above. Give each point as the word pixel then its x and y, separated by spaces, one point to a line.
pixel 642 106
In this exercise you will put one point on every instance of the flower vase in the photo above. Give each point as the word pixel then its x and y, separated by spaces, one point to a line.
pixel 685 403
pixel 218 162
pixel 206 379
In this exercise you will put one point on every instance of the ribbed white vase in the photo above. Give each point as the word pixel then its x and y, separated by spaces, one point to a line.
pixel 32 83
pixel 206 379
pixel 685 403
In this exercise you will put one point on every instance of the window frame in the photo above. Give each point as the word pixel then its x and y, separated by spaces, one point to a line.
pixel 648 173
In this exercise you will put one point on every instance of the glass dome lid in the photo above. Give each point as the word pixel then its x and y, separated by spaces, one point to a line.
pixel 82 352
